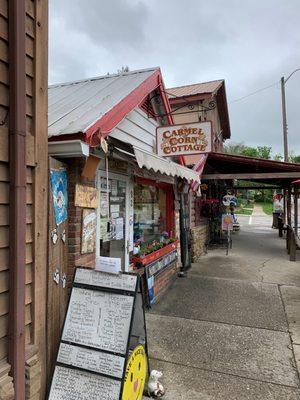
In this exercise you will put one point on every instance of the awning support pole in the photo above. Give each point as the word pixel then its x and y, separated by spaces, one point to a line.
pixel 296 211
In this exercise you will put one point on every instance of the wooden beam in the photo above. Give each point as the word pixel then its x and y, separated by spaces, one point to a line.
pixel 254 187
pixel 262 175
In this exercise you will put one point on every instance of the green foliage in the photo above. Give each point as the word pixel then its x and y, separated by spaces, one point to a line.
pixel 294 159
pixel 268 208
pixel 248 151
pixel 262 196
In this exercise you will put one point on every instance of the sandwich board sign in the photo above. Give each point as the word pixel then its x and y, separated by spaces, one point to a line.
pixel 103 348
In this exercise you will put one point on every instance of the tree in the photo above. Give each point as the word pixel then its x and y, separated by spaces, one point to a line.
pixel 123 69
pixel 294 159
pixel 248 151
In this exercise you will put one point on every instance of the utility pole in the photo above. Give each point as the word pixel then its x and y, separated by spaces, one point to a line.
pixel 284 119
pixel 284 123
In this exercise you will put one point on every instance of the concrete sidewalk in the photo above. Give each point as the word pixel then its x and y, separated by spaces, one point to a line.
pixel 231 329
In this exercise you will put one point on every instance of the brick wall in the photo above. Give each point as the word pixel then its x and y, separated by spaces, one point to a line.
pixel 75 258
pixel 199 238
pixel 164 280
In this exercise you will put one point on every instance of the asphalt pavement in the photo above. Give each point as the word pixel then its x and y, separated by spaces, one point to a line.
pixel 231 329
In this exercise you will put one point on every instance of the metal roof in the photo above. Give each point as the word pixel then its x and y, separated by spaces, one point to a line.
pixel 194 89
pixel 224 163
pixel 73 107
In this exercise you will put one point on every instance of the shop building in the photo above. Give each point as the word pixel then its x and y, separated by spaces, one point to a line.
pixel 121 199
pixel 194 103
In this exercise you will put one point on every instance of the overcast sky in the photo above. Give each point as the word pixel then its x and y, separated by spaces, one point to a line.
pixel 249 43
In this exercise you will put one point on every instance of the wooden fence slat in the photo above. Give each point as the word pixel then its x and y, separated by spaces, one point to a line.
pixel 30 153
pixel 29 106
pixel 3 50
pixel 4 259
pixel 29 85
pixel 29 24
pixel 29 65
pixel 4 73
pixel 29 214
pixel 4 281
pixel 4 8
pixel 3 27
pixel 29 7
pixel 4 321
pixel 4 172
pixel 4 193
pixel 29 253
pixel 29 194
pixel 4 215
pixel 29 44
pixel 3 347
pixel 4 95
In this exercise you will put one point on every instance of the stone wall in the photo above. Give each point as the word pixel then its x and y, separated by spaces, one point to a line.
pixel 199 239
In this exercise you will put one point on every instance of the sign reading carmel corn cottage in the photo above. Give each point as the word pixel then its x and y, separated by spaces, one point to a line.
pixel 186 139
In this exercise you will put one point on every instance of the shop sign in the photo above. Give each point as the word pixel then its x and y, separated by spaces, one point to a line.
pixel 186 139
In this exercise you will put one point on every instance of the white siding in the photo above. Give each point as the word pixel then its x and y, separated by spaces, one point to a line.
pixel 137 129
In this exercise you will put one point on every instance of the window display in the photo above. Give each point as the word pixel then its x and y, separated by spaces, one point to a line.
pixel 149 213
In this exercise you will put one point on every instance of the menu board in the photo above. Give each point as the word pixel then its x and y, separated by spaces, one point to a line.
pixel 97 336
pixel 98 319
pixel 72 384
pixel 94 278
pixel 91 360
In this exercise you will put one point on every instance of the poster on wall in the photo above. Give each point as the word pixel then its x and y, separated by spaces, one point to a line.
pixel 86 196
pixel 59 188
pixel 88 238
pixel 185 139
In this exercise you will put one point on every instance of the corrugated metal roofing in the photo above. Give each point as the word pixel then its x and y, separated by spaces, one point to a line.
pixel 197 88
pixel 73 107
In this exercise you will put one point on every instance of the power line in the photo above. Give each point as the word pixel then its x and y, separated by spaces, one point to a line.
pixel 253 93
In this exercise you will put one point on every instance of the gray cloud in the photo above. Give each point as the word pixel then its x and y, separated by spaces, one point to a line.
pixel 249 44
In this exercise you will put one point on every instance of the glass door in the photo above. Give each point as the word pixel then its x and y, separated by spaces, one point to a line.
pixel 112 231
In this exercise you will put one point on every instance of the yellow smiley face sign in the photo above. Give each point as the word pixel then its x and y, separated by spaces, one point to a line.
pixel 135 375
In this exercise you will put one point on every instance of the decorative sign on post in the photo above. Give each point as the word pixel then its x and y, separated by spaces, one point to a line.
pixel 103 343
pixel 186 139
pixel 227 222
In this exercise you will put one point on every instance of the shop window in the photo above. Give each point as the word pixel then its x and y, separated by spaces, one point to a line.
pixel 150 220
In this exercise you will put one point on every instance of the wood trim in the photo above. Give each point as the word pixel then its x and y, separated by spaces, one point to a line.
pixel 262 175
pixel 40 183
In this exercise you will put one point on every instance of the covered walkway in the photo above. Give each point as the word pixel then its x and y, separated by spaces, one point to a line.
pixel 231 329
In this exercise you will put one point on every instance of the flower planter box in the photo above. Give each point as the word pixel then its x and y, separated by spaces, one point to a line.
pixel 149 258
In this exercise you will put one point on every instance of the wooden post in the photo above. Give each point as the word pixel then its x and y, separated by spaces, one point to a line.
pixel 296 209
pixel 292 246
pixel 289 206
pixel 41 185
pixel 284 206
